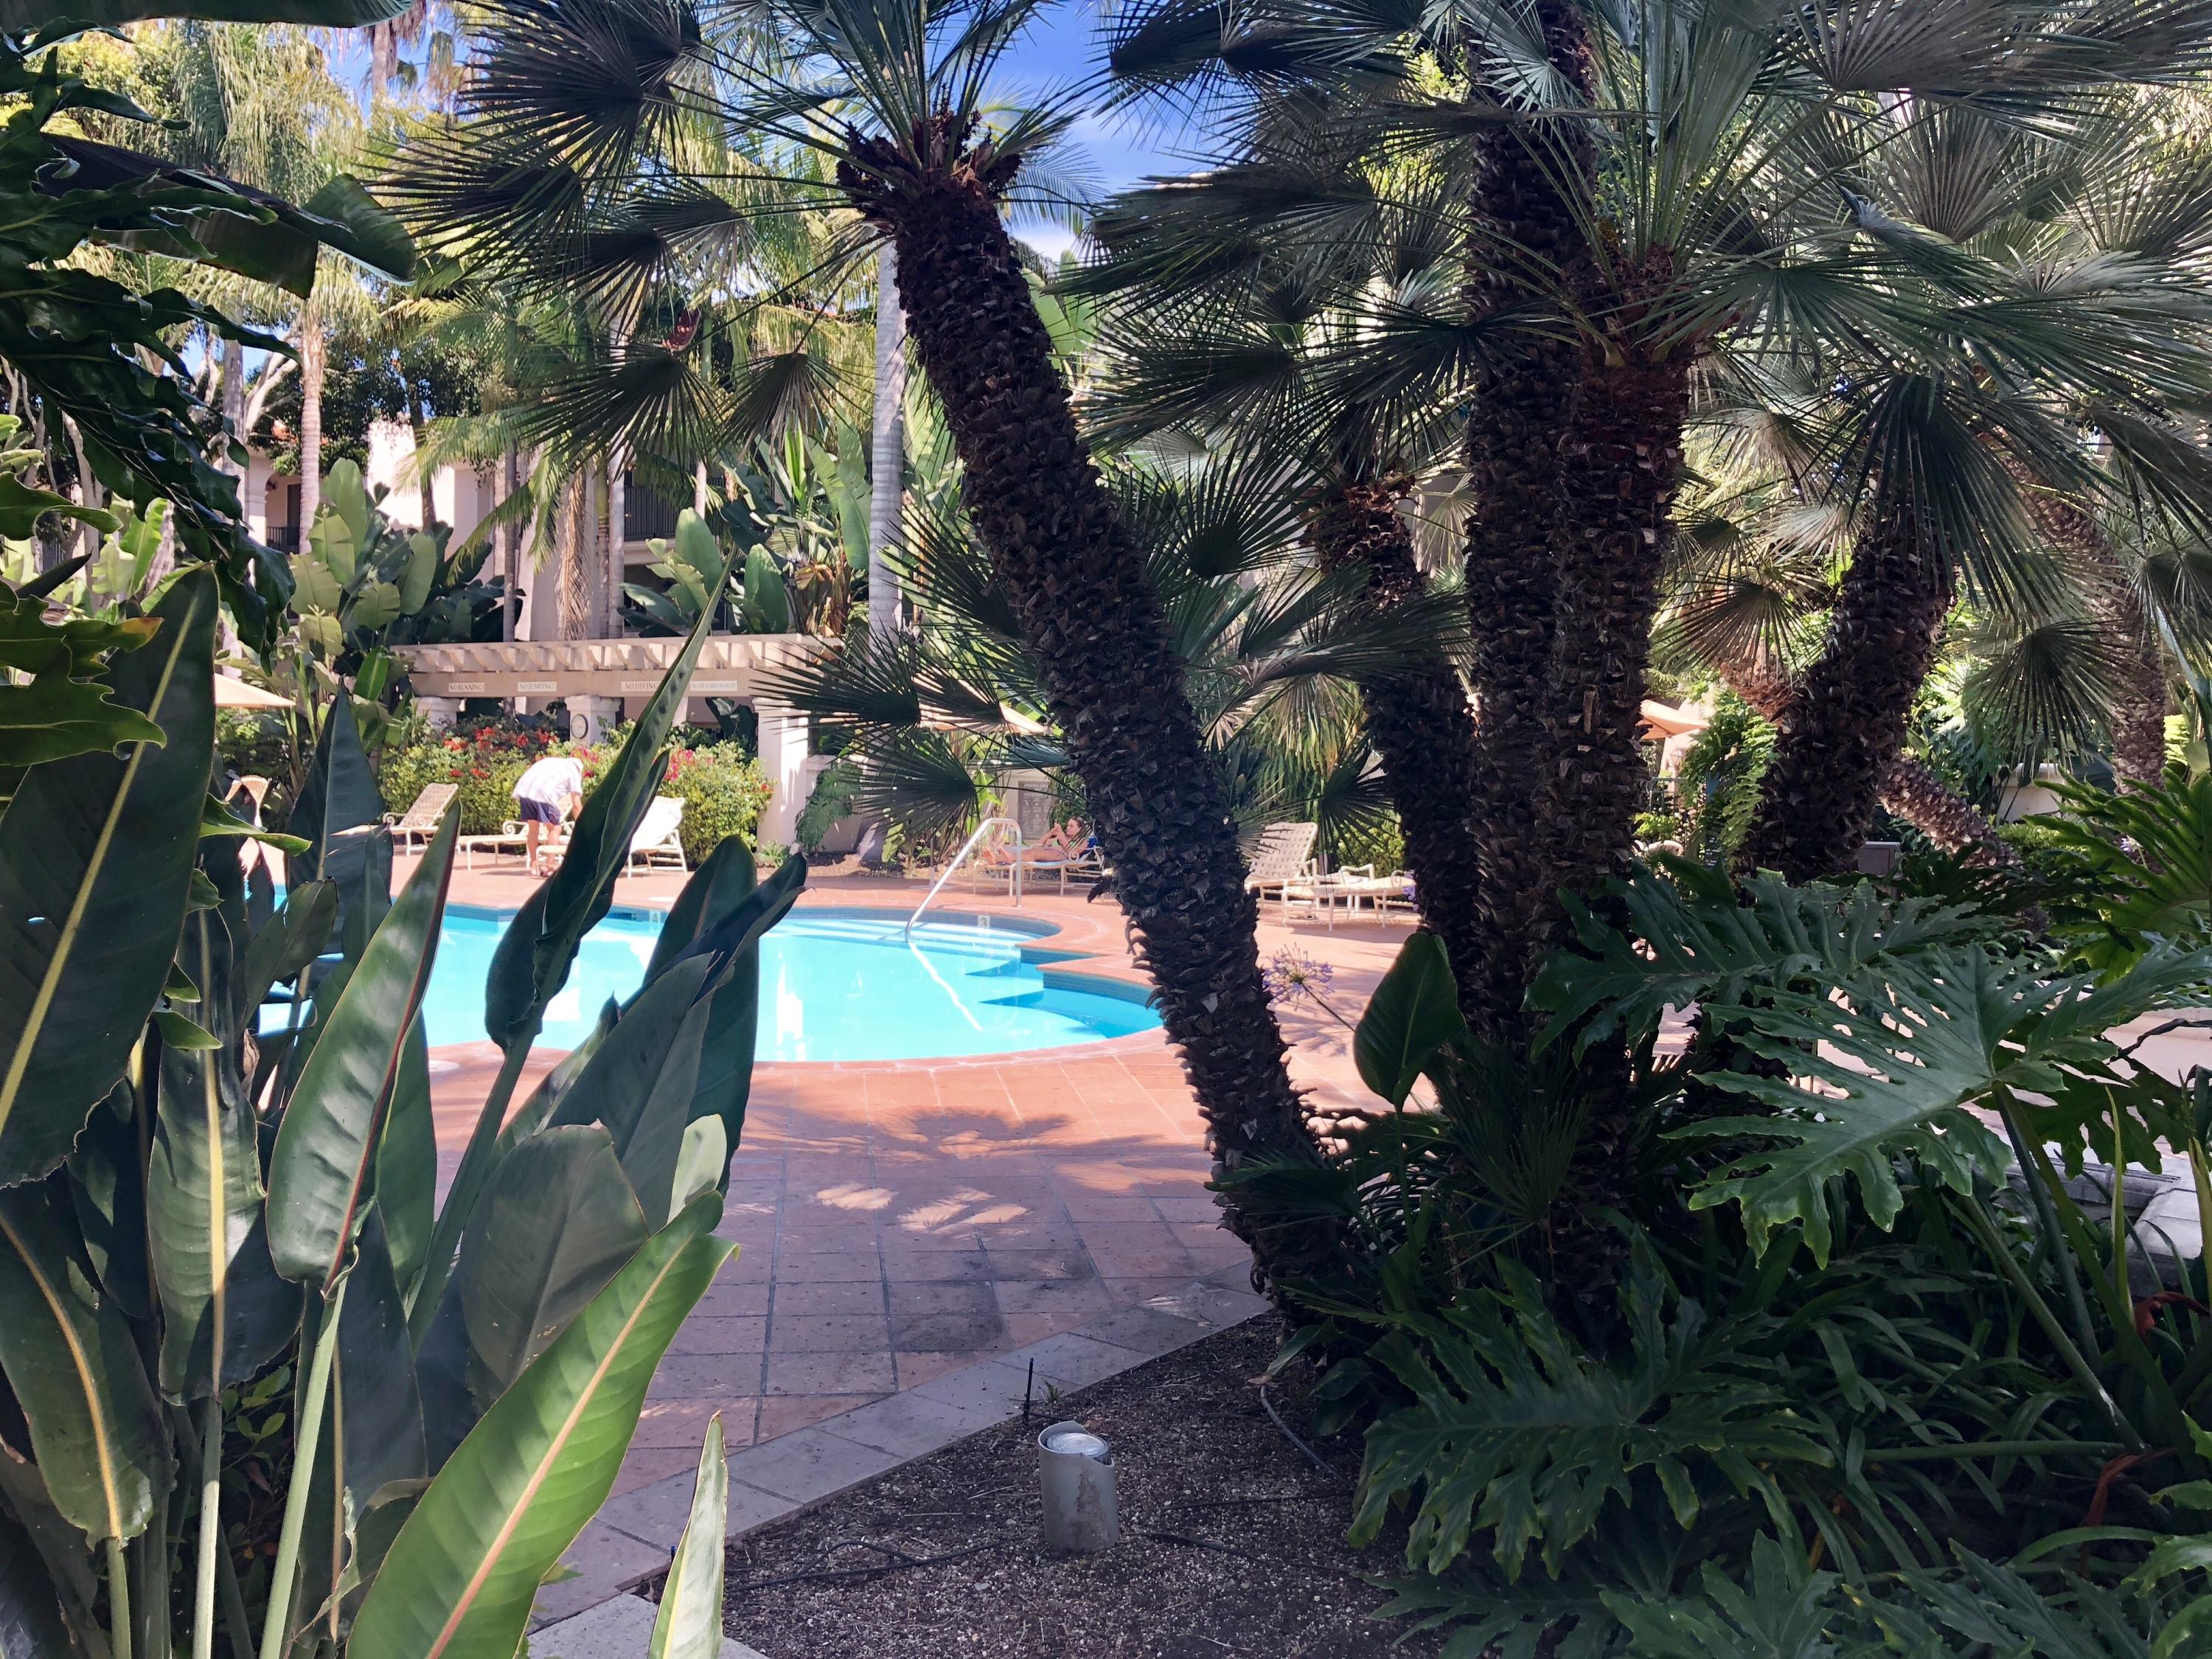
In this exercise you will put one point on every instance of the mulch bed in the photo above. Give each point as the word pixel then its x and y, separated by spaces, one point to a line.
pixel 1231 1539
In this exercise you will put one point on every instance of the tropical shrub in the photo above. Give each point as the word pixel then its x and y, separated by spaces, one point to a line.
pixel 1872 1316
pixel 722 787
pixel 197 1200
pixel 724 794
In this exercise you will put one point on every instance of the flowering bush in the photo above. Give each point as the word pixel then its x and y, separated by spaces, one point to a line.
pixel 722 789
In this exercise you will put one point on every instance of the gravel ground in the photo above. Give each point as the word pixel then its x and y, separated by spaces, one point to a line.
pixel 1231 1540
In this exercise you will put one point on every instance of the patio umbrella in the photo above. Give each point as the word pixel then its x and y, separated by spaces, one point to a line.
pixel 231 692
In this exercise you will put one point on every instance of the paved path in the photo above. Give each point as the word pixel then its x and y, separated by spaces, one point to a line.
pixel 902 1221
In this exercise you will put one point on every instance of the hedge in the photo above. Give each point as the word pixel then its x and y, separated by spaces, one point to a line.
pixel 721 788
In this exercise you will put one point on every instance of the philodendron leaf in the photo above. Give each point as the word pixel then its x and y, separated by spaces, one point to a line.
pixel 1413 1012
pixel 96 855
pixel 74 1371
pixel 1891 1064
pixel 556 1224
pixel 319 1175
pixel 54 717
pixel 531 961
pixel 460 1579
pixel 225 1311
pixel 689 1623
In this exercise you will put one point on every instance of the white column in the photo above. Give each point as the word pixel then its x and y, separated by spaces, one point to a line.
pixel 783 743
pixel 589 717
pixel 440 712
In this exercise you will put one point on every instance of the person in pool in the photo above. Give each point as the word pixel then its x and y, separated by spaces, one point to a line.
pixel 549 794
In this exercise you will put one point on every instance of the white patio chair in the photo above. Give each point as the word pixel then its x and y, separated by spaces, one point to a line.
pixel 421 818
pixel 1281 859
pixel 657 842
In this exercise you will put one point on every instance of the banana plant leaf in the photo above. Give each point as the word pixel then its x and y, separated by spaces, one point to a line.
pixel 534 955
pixel 373 1437
pixel 558 1222
pixel 338 795
pixel 96 859
pixel 295 936
pixel 62 1549
pixel 460 1578
pixel 641 1083
pixel 225 1311
pixel 319 1173
pixel 407 1163
pixel 107 1189
pixel 728 922
pixel 689 1623
pixel 1413 1012
pixel 70 1358
pixel 30 1613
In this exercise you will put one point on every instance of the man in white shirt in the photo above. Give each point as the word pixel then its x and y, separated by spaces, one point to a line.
pixel 549 794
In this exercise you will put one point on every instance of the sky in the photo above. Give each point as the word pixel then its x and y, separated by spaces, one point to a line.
pixel 1062 49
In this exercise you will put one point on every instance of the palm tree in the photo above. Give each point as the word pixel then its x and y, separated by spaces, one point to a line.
pixel 1240 347
pixel 2088 304
pixel 887 453
pixel 892 91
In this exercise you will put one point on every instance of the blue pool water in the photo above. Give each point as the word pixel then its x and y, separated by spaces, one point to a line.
pixel 835 985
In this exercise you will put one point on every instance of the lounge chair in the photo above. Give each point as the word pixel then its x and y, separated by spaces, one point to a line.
pixel 513 838
pixel 421 818
pixel 657 842
pixel 1281 859
pixel 1352 885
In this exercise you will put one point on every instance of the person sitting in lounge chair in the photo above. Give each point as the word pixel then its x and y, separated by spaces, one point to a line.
pixel 549 794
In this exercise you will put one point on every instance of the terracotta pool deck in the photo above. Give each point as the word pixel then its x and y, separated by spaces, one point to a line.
pixel 903 1220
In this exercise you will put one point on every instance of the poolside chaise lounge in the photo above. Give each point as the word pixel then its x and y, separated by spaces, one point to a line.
pixel 657 842
pixel 421 818
pixel 1281 858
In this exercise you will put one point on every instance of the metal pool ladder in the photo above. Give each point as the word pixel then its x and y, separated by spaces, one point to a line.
pixel 960 857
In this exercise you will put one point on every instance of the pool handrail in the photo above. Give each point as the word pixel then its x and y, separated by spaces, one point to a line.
pixel 966 848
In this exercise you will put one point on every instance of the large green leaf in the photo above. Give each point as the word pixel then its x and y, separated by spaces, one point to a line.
pixel 1517 1430
pixel 338 799
pixel 557 1223
pixel 1690 938
pixel 373 1434
pixel 75 1370
pixel 531 961
pixel 641 1083
pixel 226 1312
pixel 319 1173
pixel 407 1163
pixel 460 1579
pixel 294 937
pixel 107 1189
pixel 1413 1012
pixel 54 717
pixel 30 1625
pixel 689 1623
pixel 732 916
pixel 1890 1065
pixel 96 859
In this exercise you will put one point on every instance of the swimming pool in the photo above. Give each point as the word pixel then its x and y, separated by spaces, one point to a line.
pixel 835 985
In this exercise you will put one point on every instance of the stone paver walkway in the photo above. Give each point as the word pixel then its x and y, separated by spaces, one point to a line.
pixel 903 1221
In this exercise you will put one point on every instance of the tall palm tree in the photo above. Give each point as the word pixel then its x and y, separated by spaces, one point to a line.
pixel 893 93
pixel 1241 345
pixel 887 447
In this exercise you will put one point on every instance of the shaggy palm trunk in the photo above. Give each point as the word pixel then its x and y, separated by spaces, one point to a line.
pixel 2137 715
pixel 1910 791
pixel 1844 729
pixel 1111 675
pixel 573 537
pixel 1418 720
pixel 312 356
pixel 1515 480
pixel 1624 454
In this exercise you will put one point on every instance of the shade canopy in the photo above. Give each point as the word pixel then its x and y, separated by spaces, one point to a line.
pixel 231 692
